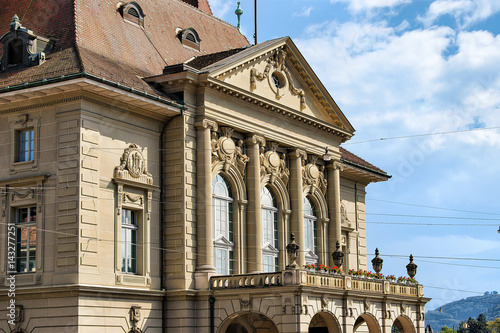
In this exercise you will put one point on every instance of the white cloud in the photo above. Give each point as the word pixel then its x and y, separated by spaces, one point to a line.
pixel 391 79
pixel 367 5
pixel 222 7
pixel 305 12
pixel 465 12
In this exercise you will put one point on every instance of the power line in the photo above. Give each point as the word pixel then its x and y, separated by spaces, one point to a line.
pixel 420 135
pixel 433 207
pixel 436 217
pixel 436 224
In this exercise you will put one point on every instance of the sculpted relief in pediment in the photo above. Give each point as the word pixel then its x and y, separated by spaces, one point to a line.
pixel 278 77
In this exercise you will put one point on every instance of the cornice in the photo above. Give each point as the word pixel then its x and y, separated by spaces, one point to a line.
pixel 279 110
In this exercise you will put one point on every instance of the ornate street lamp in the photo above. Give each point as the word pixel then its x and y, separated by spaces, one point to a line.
pixel 411 268
pixel 377 262
pixel 338 256
pixel 292 249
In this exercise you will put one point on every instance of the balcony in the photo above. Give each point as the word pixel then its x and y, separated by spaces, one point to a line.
pixel 316 279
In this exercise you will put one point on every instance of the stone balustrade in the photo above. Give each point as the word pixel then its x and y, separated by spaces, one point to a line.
pixel 315 279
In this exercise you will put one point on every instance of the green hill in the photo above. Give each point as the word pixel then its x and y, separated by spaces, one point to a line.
pixel 453 313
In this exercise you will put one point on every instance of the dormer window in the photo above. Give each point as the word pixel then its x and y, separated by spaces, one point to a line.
pixel 132 12
pixel 22 47
pixel 189 37
pixel 15 51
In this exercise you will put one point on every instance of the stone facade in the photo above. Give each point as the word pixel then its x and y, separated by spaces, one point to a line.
pixel 108 194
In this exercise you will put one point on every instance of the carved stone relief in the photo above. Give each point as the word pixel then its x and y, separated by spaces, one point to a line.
pixel 274 164
pixel 224 149
pixel 135 317
pixel 133 166
pixel 314 176
pixel 279 78
pixel 343 215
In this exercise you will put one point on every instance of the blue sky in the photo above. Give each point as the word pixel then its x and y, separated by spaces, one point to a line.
pixel 403 68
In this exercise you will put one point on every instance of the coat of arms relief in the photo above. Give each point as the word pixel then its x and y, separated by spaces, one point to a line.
pixel 226 150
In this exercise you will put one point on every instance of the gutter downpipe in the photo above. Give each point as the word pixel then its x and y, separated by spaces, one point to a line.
pixel 162 221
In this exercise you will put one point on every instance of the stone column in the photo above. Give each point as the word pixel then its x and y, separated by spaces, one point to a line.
pixel 297 201
pixel 334 207
pixel 204 236
pixel 254 215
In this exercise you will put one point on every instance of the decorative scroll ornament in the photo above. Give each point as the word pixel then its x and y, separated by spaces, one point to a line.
pixel 133 166
pixel 314 176
pixel 224 149
pixel 135 317
pixel 274 164
pixel 279 78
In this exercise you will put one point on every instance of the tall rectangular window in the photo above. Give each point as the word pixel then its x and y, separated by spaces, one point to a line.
pixel 129 241
pixel 25 239
pixel 25 145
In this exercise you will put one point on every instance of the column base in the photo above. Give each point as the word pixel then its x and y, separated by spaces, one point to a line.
pixel 202 276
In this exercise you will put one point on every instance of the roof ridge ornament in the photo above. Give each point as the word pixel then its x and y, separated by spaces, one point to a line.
pixel 15 23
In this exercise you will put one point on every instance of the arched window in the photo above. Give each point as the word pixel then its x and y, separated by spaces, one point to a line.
pixel 270 249
pixel 310 232
pixel 223 225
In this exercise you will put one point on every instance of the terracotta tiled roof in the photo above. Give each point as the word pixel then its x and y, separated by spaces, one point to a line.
pixel 92 36
pixel 58 63
pixel 209 59
pixel 212 62
pixel 356 160
pixel 202 5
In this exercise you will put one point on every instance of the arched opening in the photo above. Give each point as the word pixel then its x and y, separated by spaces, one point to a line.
pixel 366 323
pixel 223 226
pixel 15 52
pixel 402 324
pixel 270 231
pixel 324 322
pixel 310 232
pixel 249 323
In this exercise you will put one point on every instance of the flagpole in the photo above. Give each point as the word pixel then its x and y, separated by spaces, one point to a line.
pixel 255 22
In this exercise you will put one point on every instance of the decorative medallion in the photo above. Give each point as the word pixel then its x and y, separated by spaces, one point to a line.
pixel 226 150
pixel 274 164
pixel 314 176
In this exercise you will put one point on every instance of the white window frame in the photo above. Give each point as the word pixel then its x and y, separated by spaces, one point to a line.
pixel 311 245
pixel 270 232
pixel 131 227
pixel 223 222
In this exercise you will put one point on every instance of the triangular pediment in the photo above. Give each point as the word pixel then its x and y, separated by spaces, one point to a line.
pixel 223 241
pixel 276 71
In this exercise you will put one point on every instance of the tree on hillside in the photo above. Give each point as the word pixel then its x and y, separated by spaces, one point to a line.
pixel 446 329
pixel 477 326
pixel 494 326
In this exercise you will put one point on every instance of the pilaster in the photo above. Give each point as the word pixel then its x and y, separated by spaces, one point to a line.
pixel 297 200
pixel 205 265
pixel 334 206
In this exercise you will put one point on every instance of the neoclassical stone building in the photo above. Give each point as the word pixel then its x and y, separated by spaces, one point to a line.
pixel 154 167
